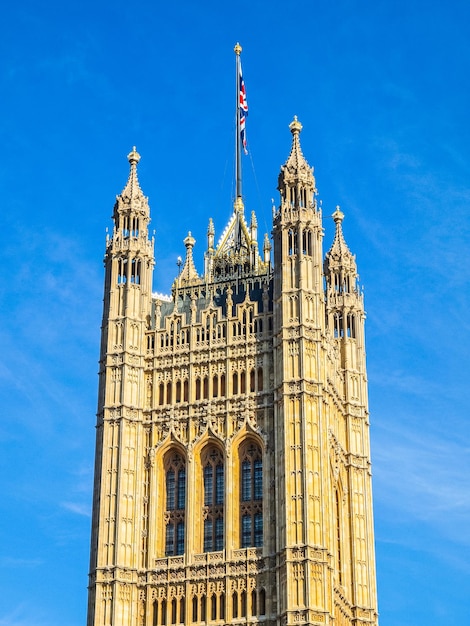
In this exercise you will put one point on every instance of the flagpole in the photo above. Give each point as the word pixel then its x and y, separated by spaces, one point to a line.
pixel 238 157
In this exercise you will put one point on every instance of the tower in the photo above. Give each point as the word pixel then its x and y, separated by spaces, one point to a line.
pixel 232 479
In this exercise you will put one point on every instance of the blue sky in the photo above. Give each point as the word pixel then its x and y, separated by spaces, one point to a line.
pixel 382 91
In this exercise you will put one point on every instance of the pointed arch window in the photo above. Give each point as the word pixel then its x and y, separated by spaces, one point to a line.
pixel 251 491
pixel 214 491
pixel 175 483
pixel 135 271
pixel 292 242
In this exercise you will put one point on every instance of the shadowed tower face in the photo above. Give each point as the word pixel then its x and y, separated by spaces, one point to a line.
pixel 232 478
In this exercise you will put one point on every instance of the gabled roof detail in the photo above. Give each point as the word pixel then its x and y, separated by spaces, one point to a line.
pixel 235 237
pixel 237 251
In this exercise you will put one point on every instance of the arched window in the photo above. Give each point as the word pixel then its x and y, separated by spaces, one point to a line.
pixel 243 604
pixel 251 491
pixel 235 605
pixel 213 512
pixel 203 608
pixel 262 602
pixel 175 479
pixel 253 602
pixel 222 606
pixel 252 380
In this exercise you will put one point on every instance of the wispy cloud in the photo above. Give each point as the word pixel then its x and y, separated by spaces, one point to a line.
pixel 424 478
pixel 77 507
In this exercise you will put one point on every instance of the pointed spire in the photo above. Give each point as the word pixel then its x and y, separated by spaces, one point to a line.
pixel 253 227
pixel 296 159
pixel 266 248
pixel 340 264
pixel 131 210
pixel 296 180
pixel 210 234
pixel 189 272
pixel 296 151
pixel 132 189
pixel 339 247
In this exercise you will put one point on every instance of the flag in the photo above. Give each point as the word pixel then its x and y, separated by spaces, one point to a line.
pixel 242 109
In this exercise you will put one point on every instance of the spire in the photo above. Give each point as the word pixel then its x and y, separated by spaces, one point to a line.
pixel 132 190
pixel 339 251
pixel 188 273
pixel 296 158
pixel 266 248
pixel 210 234
pixel 296 162
pixel 131 210
pixel 296 182
pixel 340 264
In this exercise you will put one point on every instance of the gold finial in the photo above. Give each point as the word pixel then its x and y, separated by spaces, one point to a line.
pixel 295 126
pixel 237 49
pixel 338 215
pixel 133 156
pixel 189 241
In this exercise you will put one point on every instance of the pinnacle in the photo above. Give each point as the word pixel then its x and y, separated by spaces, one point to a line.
pixel 132 189
pixel 189 272
pixel 339 248
pixel 296 158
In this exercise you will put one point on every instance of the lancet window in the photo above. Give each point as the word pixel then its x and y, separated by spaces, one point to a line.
pixel 135 227
pixel 307 242
pixel 213 512
pixel 293 242
pixel 135 271
pixel 175 483
pixel 251 501
pixel 122 271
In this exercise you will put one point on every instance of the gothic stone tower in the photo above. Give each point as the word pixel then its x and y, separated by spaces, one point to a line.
pixel 232 480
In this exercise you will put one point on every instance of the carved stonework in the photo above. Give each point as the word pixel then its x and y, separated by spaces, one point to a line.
pixel 233 465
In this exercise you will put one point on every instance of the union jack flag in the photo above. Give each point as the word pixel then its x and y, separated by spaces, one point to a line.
pixel 242 110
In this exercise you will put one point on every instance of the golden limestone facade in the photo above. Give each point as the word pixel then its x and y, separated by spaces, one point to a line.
pixel 233 477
